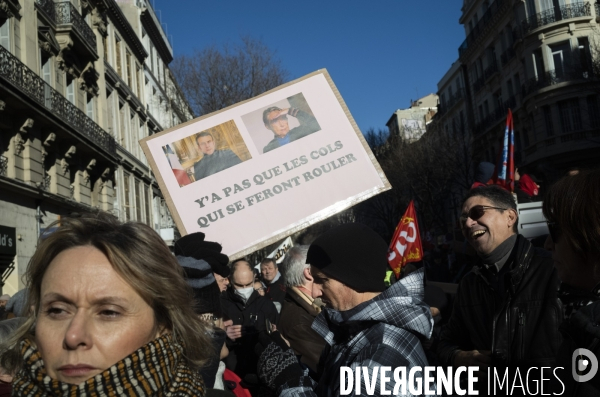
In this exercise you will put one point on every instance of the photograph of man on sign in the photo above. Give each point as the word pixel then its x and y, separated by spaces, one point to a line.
pixel 207 152
pixel 282 122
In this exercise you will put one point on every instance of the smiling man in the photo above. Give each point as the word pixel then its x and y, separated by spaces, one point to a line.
pixel 213 160
pixel 506 311
pixel 276 120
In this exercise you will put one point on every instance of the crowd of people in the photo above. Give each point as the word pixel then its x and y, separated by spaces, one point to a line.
pixel 110 310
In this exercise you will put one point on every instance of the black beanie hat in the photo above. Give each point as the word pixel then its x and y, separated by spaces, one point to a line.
pixel 353 254
pixel 199 276
pixel 193 245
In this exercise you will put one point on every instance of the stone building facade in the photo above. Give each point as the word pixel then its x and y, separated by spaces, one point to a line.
pixel 411 123
pixel 539 58
pixel 81 82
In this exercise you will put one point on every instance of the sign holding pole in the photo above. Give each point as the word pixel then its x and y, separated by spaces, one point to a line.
pixel 260 170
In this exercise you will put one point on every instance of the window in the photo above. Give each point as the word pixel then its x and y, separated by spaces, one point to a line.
pixel 584 56
pixel 105 45
pixel 148 197
pixel 538 64
pixel 122 123
pixel 138 203
pixel 5 35
pixel 593 111
pixel 548 121
pixel 486 108
pixel 90 106
pixel 71 91
pixel 47 77
pixel 570 116
pixel 546 5
pixel 525 137
pixel 509 85
pixel 113 115
pixel 127 193
pixel 138 73
pixel 517 80
pixel 560 58
pixel 118 57
pixel 498 99
pixel 128 68
pixel 133 133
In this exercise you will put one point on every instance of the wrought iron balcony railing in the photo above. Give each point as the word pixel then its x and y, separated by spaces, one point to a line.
pixel 551 77
pixel 555 14
pixel 67 14
pixel 3 165
pixel 496 116
pixel 28 82
pixel 480 26
pixel 48 7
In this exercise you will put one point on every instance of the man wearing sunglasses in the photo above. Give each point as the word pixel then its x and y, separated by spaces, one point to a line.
pixel 276 120
pixel 506 311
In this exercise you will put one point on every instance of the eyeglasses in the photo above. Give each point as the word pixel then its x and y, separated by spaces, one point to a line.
pixel 283 117
pixel 477 212
pixel 554 231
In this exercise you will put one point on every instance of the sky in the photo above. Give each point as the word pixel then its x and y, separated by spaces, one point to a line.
pixel 379 53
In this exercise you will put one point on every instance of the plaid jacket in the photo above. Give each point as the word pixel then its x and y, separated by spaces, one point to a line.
pixel 383 331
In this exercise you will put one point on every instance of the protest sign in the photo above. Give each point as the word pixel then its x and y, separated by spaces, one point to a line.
pixel 255 172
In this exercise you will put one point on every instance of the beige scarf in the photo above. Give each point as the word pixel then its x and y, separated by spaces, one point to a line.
pixel 155 369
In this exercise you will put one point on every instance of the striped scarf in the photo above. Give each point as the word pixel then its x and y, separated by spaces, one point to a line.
pixel 155 369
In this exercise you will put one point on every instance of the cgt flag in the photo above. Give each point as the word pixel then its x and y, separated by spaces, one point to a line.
pixel 406 244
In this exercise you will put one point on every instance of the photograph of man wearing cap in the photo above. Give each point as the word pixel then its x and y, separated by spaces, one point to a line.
pixel 276 120
pixel 364 324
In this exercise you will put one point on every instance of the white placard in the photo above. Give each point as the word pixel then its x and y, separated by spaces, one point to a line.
pixel 245 187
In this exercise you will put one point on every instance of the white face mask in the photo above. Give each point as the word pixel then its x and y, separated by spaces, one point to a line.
pixel 245 292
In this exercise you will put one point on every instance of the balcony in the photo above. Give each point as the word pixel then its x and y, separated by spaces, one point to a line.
pixel 483 25
pixel 3 165
pixel 451 102
pixel 29 83
pixel 47 7
pixel 491 70
pixel 568 141
pixel 496 116
pixel 551 77
pixel 67 14
pixel 569 11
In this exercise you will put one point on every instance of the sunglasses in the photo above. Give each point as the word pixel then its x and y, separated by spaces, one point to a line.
pixel 277 119
pixel 477 212
pixel 554 231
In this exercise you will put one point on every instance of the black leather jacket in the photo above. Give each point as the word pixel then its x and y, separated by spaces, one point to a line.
pixel 516 314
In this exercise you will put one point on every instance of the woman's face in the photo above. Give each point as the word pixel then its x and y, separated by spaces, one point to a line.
pixel 89 317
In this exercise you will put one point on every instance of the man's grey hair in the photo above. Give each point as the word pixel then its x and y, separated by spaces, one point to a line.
pixel 293 265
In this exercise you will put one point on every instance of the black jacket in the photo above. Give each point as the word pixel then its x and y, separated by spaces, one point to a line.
pixel 275 291
pixel 251 316
pixel 515 314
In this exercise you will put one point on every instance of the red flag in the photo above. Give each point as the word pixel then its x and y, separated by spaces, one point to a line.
pixel 406 244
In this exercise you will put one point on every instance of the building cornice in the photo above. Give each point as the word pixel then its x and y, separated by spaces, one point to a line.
pixel 156 36
pixel 122 25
